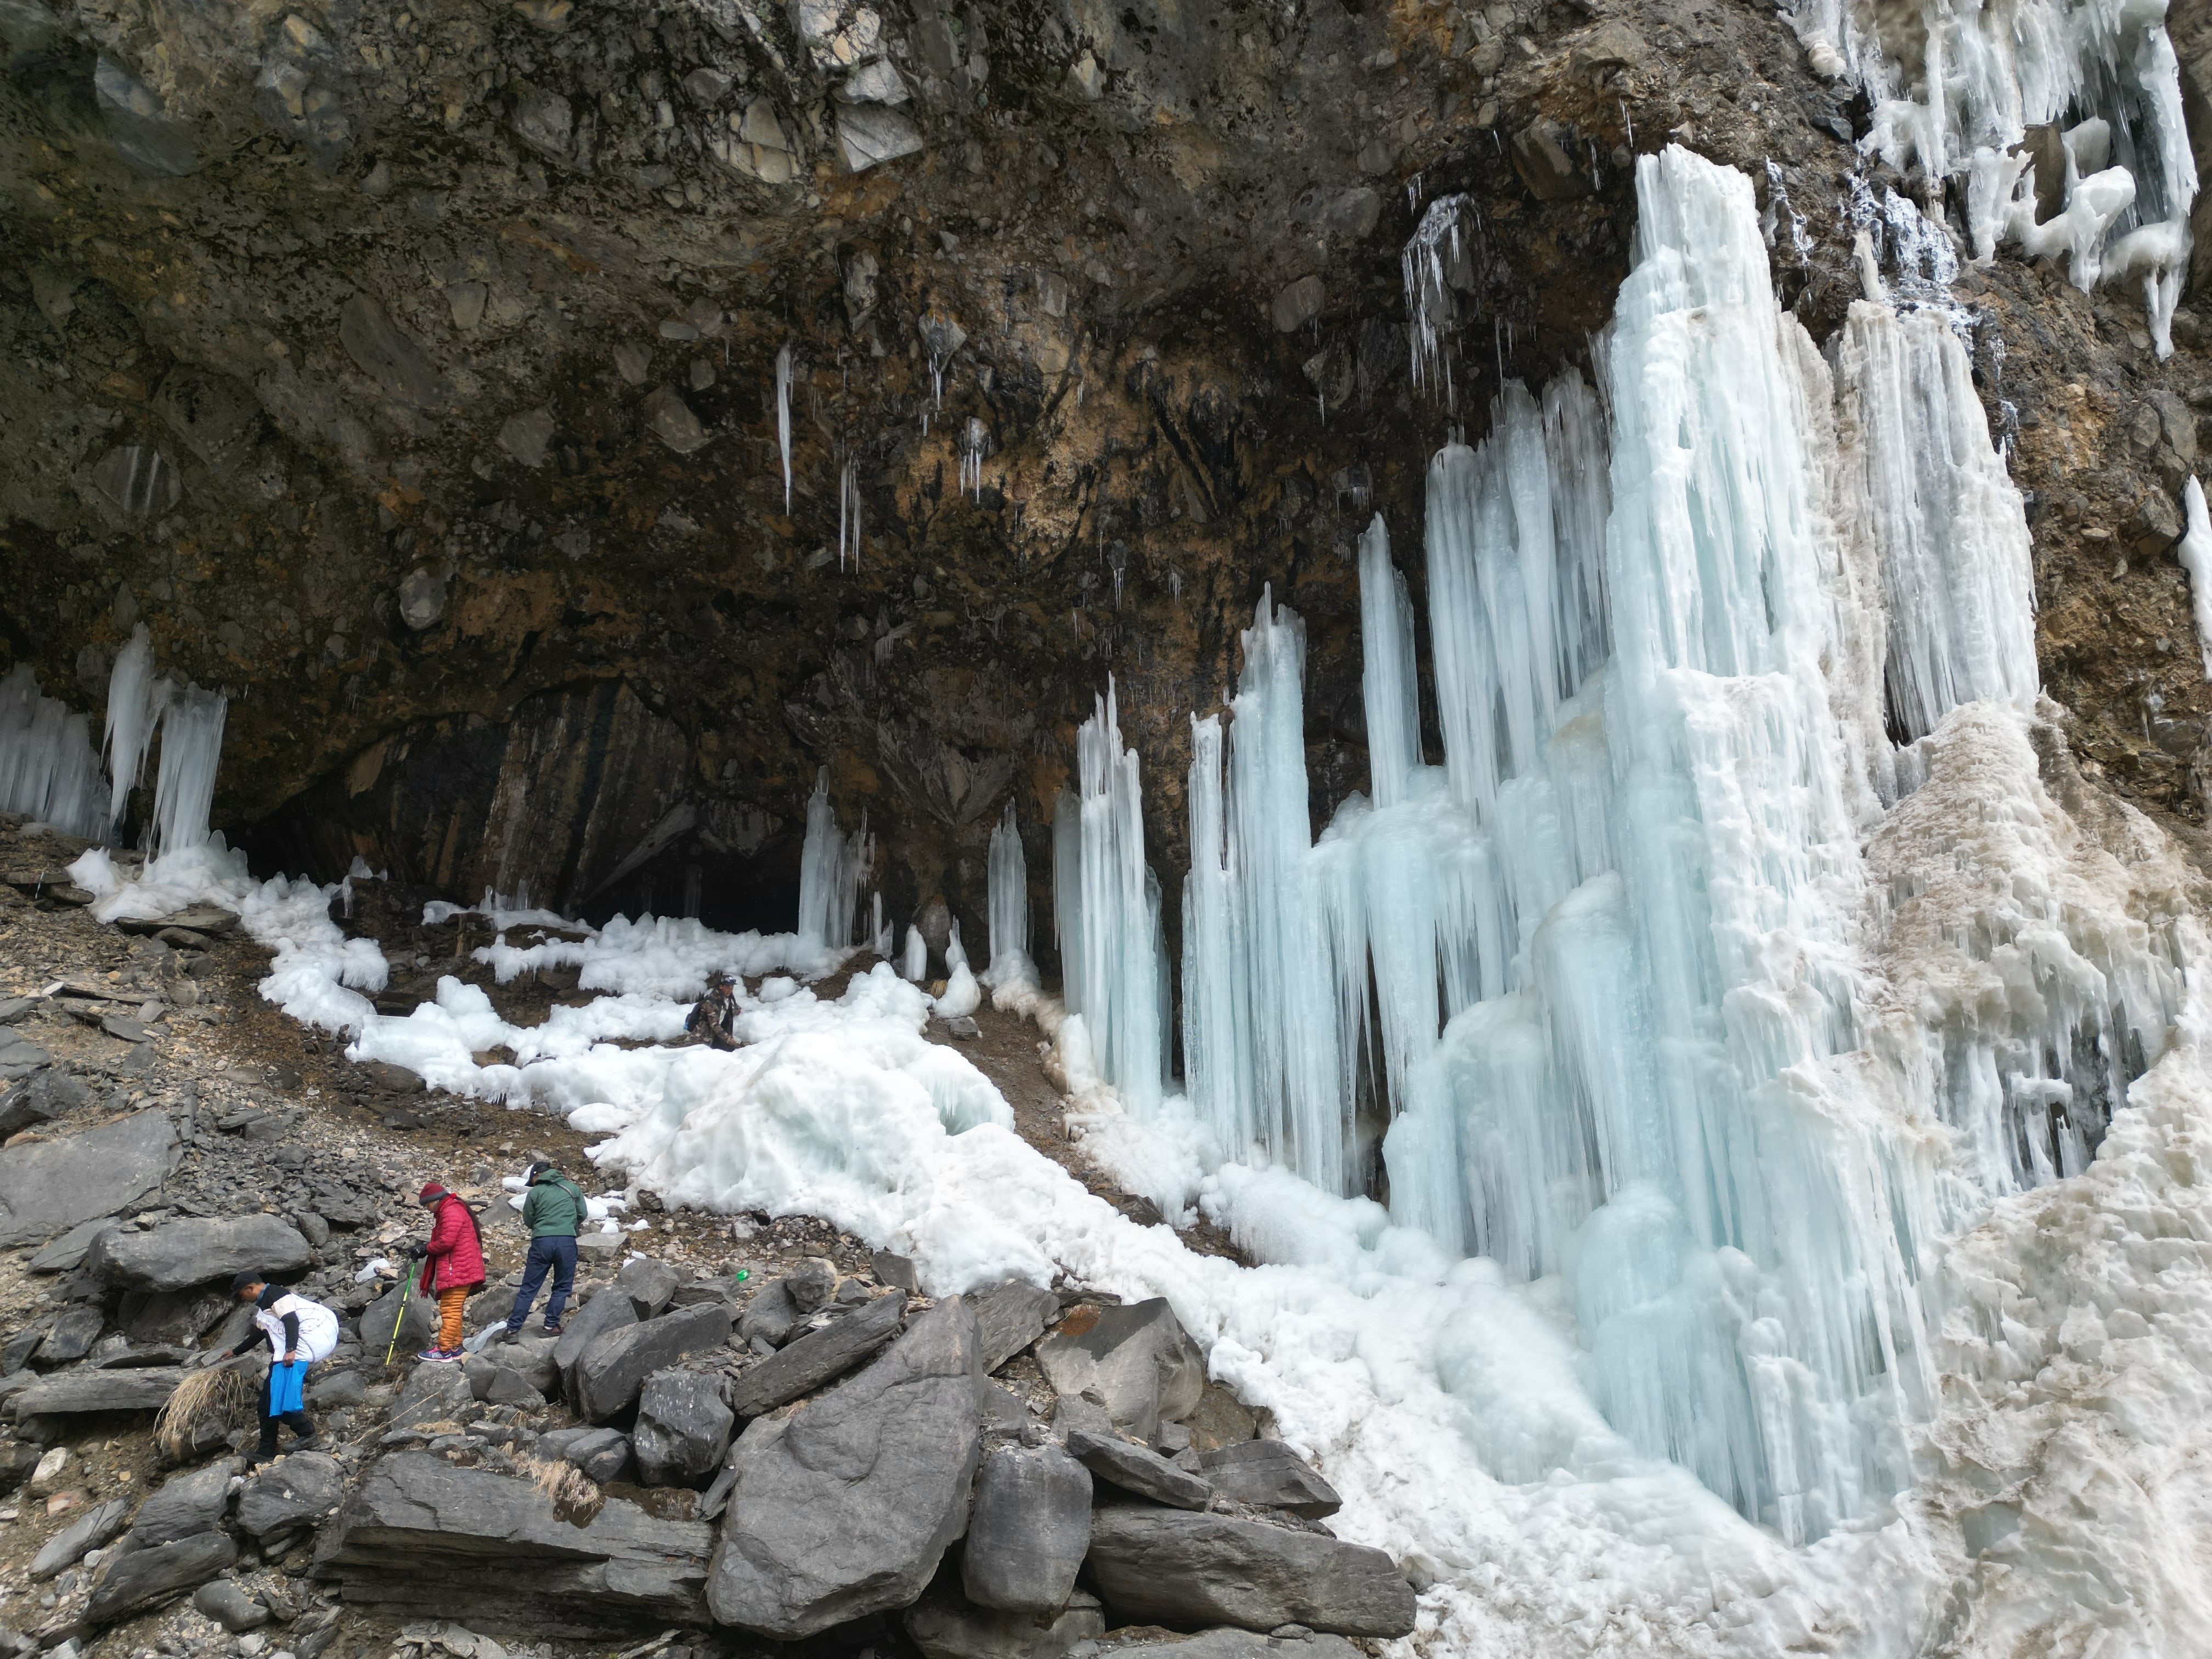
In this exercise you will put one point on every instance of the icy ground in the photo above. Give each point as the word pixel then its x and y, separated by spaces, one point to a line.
pixel 1444 1401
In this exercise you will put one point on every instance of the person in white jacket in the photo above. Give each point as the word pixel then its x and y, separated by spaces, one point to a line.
pixel 300 1332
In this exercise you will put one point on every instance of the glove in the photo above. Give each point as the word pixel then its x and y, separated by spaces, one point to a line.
pixel 415 1252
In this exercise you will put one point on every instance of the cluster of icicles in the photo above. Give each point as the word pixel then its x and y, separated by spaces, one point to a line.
pixel 1587 998
pixel 1974 79
pixel 50 770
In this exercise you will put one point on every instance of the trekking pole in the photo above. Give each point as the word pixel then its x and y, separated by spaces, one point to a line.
pixel 406 1289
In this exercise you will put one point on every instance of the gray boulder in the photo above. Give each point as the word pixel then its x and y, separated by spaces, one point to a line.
pixel 416 1314
pixel 608 1311
pixel 434 1392
pixel 811 1284
pixel 769 1315
pixel 649 1285
pixel 76 1393
pixel 181 1255
pixel 301 1490
pixel 130 1582
pixel 50 1186
pixel 184 1505
pixel 1269 1475
pixel 1136 1359
pixel 1030 1531
pixel 71 1335
pixel 229 1606
pixel 819 1357
pixel 1169 1567
pixel 745 1451
pixel 610 1372
pixel 1139 1469
pixel 945 1629
pixel 1009 1316
pixel 1242 1645
pixel 66 1253
pixel 45 1095
pixel 602 1453
pixel 421 1538
pixel 683 1424
pixel 67 1547
pixel 848 1511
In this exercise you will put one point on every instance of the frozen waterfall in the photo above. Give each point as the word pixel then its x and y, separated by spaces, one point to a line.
pixel 1007 894
pixel 1619 987
pixel 832 869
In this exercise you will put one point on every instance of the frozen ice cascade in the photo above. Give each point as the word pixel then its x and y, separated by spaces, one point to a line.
pixel 50 770
pixel 832 868
pixel 1957 86
pixel 1789 1079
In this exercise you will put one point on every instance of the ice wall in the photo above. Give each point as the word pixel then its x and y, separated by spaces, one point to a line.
pixel 1641 1018
pixel 47 765
pixel 1956 86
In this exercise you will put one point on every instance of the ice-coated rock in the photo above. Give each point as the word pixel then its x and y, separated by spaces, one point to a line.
pixel 1170 1567
pixel 849 1510
pixel 1030 1530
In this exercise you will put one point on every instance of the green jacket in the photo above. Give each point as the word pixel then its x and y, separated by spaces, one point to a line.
pixel 555 1208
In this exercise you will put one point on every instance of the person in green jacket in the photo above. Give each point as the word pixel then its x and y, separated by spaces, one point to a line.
pixel 553 1212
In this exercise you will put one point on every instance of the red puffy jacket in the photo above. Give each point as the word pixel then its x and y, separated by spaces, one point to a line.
pixel 455 1260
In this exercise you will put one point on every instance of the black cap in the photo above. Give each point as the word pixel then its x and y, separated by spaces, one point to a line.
pixel 247 1280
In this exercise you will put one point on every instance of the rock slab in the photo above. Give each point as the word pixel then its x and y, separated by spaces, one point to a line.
pixel 1030 1531
pixel 1137 1469
pixel 48 1187
pixel 181 1255
pixel 184 1505
pixel 1008 1317
pixel 610 1372
pixel 300 1489
pixel 848 1511
pixel 819 1357
pixel 422 1537
pixel 1137 1358
pixel 1269 1475
pixel 1168 1567
pixel 127 1583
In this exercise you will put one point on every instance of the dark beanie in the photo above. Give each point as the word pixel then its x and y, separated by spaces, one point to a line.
pixel 247 1280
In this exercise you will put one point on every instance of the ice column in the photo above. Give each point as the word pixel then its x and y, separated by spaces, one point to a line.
pixel 783 419
pixel 1008 895
pixel 184 783
pixel 1108 906
pixel 135 700
pixel 1387 676
pixel 2196 556
pixel 1923 480
pixel 48 768
pixel 821 869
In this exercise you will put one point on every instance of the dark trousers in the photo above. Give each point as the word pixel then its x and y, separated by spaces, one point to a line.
pixel 302 1425
pixel 552 1252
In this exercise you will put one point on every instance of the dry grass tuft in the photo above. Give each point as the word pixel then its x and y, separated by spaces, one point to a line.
pixel 205 1405
pixel 575 1496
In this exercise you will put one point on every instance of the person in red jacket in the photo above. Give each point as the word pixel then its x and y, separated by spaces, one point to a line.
pixel 452 1265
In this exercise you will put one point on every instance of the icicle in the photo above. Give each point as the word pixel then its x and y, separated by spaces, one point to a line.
pixel 848 516
pixel 135 699
pixel 783 418
pixel 1437 265
pixel 1386 682
pixel 974 442
pixel 821 859
pixel 2196 556
pixel 184 783
pixel 914 964
pixel 1008 893
pixel 48 768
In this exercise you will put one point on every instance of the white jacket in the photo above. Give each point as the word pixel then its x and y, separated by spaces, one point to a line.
pixel 319 1327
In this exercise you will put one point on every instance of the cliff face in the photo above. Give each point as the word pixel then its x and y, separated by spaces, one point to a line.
pixel 411 374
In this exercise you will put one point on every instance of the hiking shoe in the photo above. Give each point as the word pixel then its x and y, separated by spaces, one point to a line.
pixel 440 1353
pixel 512 1333
pixel 552 1330
pixel 312 1443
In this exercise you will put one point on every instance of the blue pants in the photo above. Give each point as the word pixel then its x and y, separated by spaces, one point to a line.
pixel 554 1252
